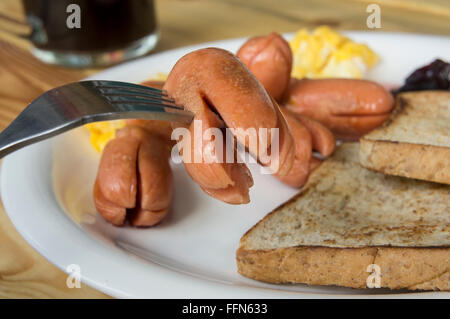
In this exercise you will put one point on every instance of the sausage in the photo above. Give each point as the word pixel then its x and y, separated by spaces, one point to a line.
pixel 110 211
pixel 117 176
pixel 221 92
pixel 269 58
pixel 314 163
pixel 155 188
pixel 348 107
pixel 162 129
pixel 134 178
pixel 238 193
pixel 323 140
pixel 299 171
pixel 309 135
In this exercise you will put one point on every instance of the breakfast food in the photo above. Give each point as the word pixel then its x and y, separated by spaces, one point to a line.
pixel 347 218
pixel 348 107
pixel 269 58
pixel 323 140
pixel 325 53
pixel 434 76
pixel 415 141
pixel 134 179
pixel 308 135
pixel 103 132
pixel 220 91
pixel 162 129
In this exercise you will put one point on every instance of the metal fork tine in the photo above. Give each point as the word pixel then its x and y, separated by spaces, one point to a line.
pixel 121 92
pixel 144 90
pixel 140 100
pixel 128 86
pixel 144 111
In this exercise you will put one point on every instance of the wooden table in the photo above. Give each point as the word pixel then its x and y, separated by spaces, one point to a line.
pixel 26 274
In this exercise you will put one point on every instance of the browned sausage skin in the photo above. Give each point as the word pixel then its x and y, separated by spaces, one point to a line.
pixel 220 91
pixel 134 178
pixel 323 140
pixel 299 171
pixel 117 175
pixel 308 135
pixel 162 129
pixel 113 213
pixel 269 58
pixel 350 108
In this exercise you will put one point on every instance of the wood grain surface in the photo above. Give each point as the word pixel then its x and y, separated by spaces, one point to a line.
pixel 26 274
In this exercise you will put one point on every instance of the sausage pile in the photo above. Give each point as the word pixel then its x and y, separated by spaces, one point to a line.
pixel 219 90
pixel 349 108
pixel 134 179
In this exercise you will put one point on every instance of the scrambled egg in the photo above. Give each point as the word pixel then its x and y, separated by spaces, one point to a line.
pixel 325 53
pixel 160 76
pixel 103 132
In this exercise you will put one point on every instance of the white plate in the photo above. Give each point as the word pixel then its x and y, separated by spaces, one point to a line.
pixel 46 191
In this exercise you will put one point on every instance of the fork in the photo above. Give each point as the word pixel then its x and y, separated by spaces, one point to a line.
pixel 75 104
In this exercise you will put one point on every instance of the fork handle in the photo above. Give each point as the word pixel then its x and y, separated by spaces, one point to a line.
pixel 16 135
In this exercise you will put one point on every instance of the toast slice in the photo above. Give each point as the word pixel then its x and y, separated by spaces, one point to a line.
pixel 347 218
pixel 415 141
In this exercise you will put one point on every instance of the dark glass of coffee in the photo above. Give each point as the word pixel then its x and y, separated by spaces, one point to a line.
pixel 91 32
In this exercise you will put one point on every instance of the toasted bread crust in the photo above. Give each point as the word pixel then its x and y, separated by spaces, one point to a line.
pixel 415 141
pixel 424 162
pixel 411 268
